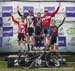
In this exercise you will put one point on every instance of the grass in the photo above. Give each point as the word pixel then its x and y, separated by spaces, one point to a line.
pixel 70 58
pixel 3 66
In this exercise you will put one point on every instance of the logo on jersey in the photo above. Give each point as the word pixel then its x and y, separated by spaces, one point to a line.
pixel 6 11
pixel 62 41
pixel 70 11
pixel 47 17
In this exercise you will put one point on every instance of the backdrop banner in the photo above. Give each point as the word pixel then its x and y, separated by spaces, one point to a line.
pixel 9 30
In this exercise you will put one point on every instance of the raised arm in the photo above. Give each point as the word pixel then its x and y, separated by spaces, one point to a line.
pixel 62 21
pixel 15 21
pixel 52 14
pixel 19 11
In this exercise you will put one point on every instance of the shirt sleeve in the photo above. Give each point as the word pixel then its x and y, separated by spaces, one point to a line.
pixel 52 14
pixel 15 21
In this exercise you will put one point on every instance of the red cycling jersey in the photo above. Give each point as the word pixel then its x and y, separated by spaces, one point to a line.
pixel 21 26
pixel 46 19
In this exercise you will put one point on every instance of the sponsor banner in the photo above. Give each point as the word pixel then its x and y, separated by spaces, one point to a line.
pixel 0 41
pixel 70 11
pixel 1 31
pixel 61 31
pixel 6 11
pixel 50 9
pixel 26 9
pixel 0 14
pixel 70 21
pixel 0 22
pixel 10 42
pixel 7 31
pixel 70 31
pixel 71 43
pixel 6 42
pixel 59 18
pixel 62 41
pixel 66 33
pixel 7 21
pixel 61 28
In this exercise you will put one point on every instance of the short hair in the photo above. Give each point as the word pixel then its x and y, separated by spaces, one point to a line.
pixel 45 10
pixel 38 13
pixel 30 11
